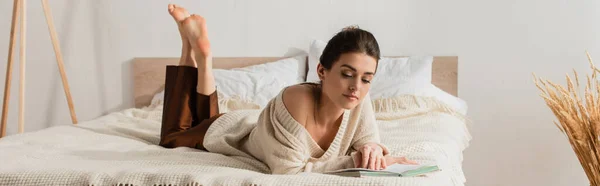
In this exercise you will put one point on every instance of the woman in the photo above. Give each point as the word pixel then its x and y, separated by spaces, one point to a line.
pixel 309 127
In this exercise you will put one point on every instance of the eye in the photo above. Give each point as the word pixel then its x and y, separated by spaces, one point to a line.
pixel 346 75
pixel 366 81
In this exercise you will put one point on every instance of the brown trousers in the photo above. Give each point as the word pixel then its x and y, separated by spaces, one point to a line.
pixel 187 114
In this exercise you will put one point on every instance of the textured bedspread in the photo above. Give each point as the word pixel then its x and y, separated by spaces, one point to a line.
pixel 121 148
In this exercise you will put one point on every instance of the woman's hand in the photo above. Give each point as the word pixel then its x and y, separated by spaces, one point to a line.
pixel 370 156
pixel 399 160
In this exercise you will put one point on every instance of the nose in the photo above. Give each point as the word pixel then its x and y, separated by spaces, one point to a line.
pixel 355 85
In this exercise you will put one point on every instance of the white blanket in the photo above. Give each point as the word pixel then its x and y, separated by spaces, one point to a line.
pixel 121 148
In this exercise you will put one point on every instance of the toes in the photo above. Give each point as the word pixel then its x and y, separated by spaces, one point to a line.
pixel 178 13
pixel 171 8
pixel 183 11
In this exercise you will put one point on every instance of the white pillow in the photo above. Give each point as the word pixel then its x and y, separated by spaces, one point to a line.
pixel 458 104
pixel 400 76
pixel 410 76
pixel 395 77
pixel 314 53
pixel 252 87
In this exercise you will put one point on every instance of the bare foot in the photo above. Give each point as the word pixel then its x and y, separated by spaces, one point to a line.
pixel 196 32
pixel 195 29
pixel 179 15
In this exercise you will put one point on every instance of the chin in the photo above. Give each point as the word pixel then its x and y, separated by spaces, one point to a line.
pixel 345 104
pixel 347 107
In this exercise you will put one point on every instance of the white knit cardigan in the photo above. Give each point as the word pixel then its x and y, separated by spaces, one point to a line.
pixel 275 138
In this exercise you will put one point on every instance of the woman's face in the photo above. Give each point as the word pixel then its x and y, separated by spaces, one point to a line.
pixel 349 79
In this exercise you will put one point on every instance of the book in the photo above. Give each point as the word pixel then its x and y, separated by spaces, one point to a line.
pixel 395 170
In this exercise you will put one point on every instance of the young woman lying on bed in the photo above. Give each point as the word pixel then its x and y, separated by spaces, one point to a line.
pixel 309 127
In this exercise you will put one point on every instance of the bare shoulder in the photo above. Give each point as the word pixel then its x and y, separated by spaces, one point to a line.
pixel 298 99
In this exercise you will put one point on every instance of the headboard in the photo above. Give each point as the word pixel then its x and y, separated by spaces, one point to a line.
pixel 149 73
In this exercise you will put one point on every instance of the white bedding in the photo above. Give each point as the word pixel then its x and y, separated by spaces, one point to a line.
pixel 121 148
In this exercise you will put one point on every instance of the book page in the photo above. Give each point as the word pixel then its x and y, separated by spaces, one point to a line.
pixel 400 168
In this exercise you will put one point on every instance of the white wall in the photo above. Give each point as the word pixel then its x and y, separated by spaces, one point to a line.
pixel 499 43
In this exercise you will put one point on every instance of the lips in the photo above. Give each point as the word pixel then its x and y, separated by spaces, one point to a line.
pixel 351 97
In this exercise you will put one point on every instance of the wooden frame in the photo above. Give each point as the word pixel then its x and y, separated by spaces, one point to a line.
pixel 19 11
pixel 149 73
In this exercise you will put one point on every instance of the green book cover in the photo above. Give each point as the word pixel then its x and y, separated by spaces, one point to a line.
pixel 396 170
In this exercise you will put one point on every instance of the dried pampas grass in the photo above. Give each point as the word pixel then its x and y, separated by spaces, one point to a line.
pixel 578 117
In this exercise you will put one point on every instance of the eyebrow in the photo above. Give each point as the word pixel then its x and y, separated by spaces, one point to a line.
pixel 352 68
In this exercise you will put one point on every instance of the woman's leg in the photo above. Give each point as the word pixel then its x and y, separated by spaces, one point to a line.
pixel 179 14
pixel 190 104
pixel 195 28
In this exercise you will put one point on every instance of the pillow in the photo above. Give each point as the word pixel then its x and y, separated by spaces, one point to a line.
pixel 252 87
pixel 402 75
pixel 411 76
pixel 456 103
pixel 314 53
pixel 395 77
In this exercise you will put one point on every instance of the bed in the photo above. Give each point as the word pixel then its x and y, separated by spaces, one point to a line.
pixel 121 148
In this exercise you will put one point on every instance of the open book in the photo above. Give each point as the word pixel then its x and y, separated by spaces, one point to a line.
pixel 395 170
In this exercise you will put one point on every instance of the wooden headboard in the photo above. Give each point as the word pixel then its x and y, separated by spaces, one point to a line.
pixel 149 73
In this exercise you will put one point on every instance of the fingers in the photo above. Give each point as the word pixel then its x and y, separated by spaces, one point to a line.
pixel 403 160
pixel 366 152
pixel 372 161
pixel 378 163
pixel 372 158
pixel 357 159
pixel 413 162
pixel 390 160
